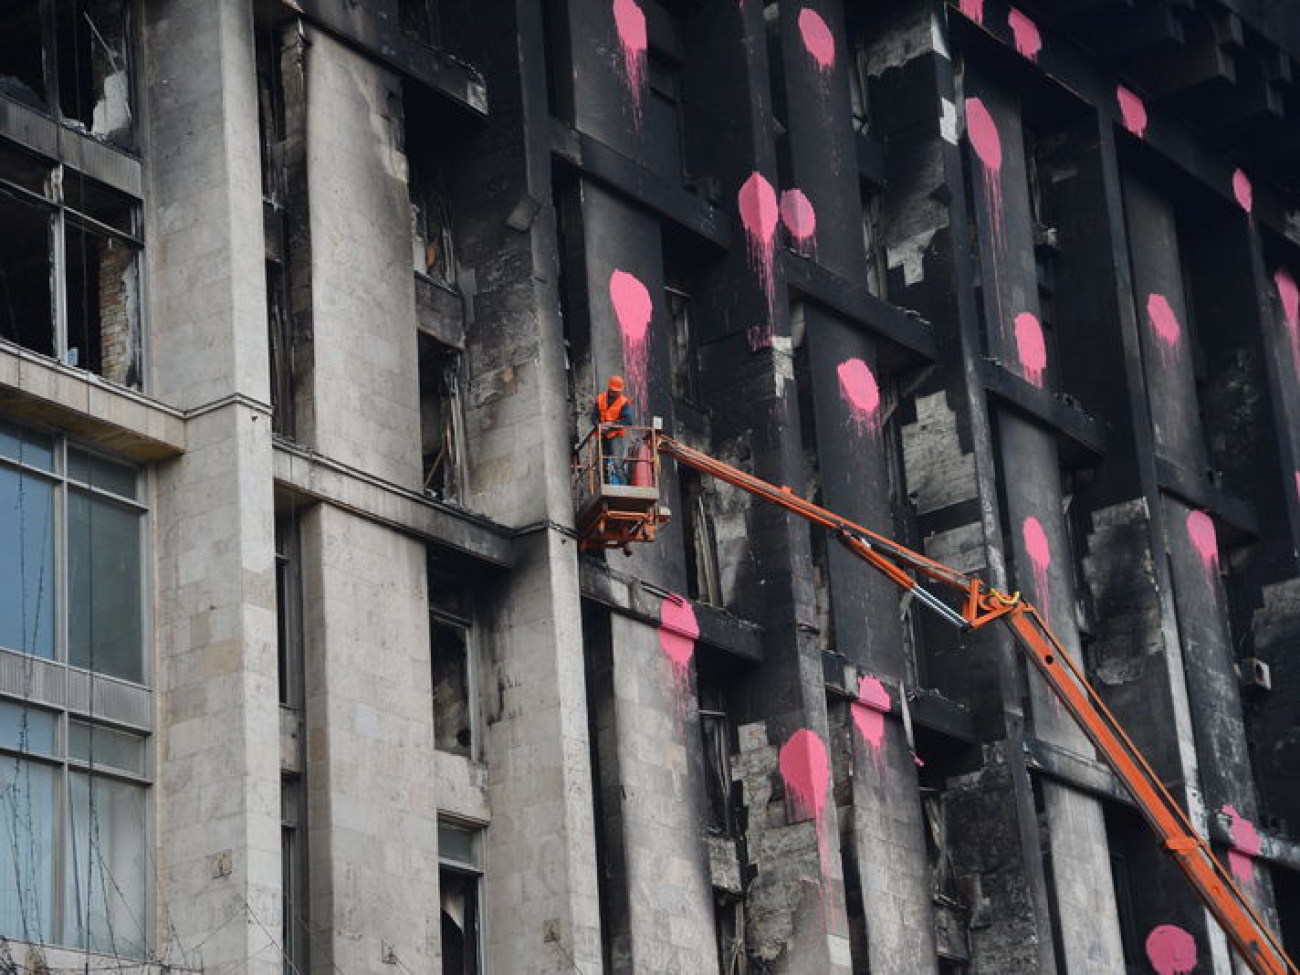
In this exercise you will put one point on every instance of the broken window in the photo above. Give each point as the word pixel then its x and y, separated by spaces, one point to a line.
pixel 442 422
pixel 703 581
pixel 293 877
pixel 69 280
pixel 682 348
pixel 716 737
pixel 73 55
pixel 22 64
pixel 460 875
pixel 288 608
pixel 432 253
pixel 451 653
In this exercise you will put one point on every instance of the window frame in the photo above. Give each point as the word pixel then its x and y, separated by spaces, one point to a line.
pixel 474 871
pixel 65 217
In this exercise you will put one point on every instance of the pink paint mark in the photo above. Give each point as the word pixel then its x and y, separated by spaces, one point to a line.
pixel 1031 348
pixel 859 387
pixel 1242 190
pixel 1132 110
pixel 1163 321
pixel 1245 846
pixel 817 40
pixel 1171 950
pixel 759 214
pixel 633 309
pixel 805 769
pixel 678 631
pixel 630 21
pixel 1200 529
pixel 1025 34
pixel 1289 295
pixel 984 139
pixel 1039 551
pixel 974 9
pixel 869 712
pixel 800 219
pixel 1297 484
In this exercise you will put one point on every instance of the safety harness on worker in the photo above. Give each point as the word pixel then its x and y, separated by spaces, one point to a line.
pixel 611 412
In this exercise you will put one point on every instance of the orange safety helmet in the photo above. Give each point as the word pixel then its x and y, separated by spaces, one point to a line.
pixel 616 384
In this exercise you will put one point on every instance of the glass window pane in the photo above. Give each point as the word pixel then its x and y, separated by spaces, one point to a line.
pixel 104 884
pixel 101 473
pixel 26 563
pixel 27 824
pixel 106 747
pixel 457 843
pixel 27 729
pixel 27 447
pixel 104 624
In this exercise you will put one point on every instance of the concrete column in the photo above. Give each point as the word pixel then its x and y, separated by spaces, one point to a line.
pixel 372 803
pixel 1085 906
pixel 218 775
pixel 365 386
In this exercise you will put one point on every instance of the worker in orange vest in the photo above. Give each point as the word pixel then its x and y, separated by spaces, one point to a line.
pixel 612 415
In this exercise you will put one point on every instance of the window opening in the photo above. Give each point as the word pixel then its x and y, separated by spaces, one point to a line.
pixel 703 580
pixel 294 928
pixel 442 421
pixel 22 64
pixel 460 875
pixel 685 367
pixel 717 738
pixel 451 652
pixel 69 260
pixel 419 19
pixel 94 84
pixel 288 604
pixel 432 249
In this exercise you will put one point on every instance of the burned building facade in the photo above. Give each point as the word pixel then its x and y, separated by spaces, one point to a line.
pixel 305 304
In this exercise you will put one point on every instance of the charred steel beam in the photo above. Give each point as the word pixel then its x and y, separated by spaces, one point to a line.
pixel 1083 439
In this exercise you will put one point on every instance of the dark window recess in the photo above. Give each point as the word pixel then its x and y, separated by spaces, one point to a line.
pixel 26 269
pixel 419 19
pixel 685 367
pixel 718 738
pixel 460 922
pixel 703 582
pixel 729 925
pixel 452 659
pixel 22 61
pixel 459 877
pixel 662 118
pixel 293 875
pixel 432 252
pixel 94 82
pixel 96 267
pixel 288 607
pixel 449 648
pixel 442 425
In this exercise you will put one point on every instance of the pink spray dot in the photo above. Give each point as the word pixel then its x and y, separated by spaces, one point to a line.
pixel 799 217
pixel 1241 189
pixel 678 631
pixel 984 139
pixel 634 310
pixel 1039 551
pixel 1297 484
pixel 817 39
pixel 1200 529
pixel 1245 845
pixel 1025 34
pixel 1289 295
pixel 983 133
pixel 858 386
pixel 1171 950
pixel 869 712
pixel 759 214
pixel 1163 321
pixel 630 21
pixel 974 9
pixel 1132 111
pixel 1031 347
pixel 805 769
